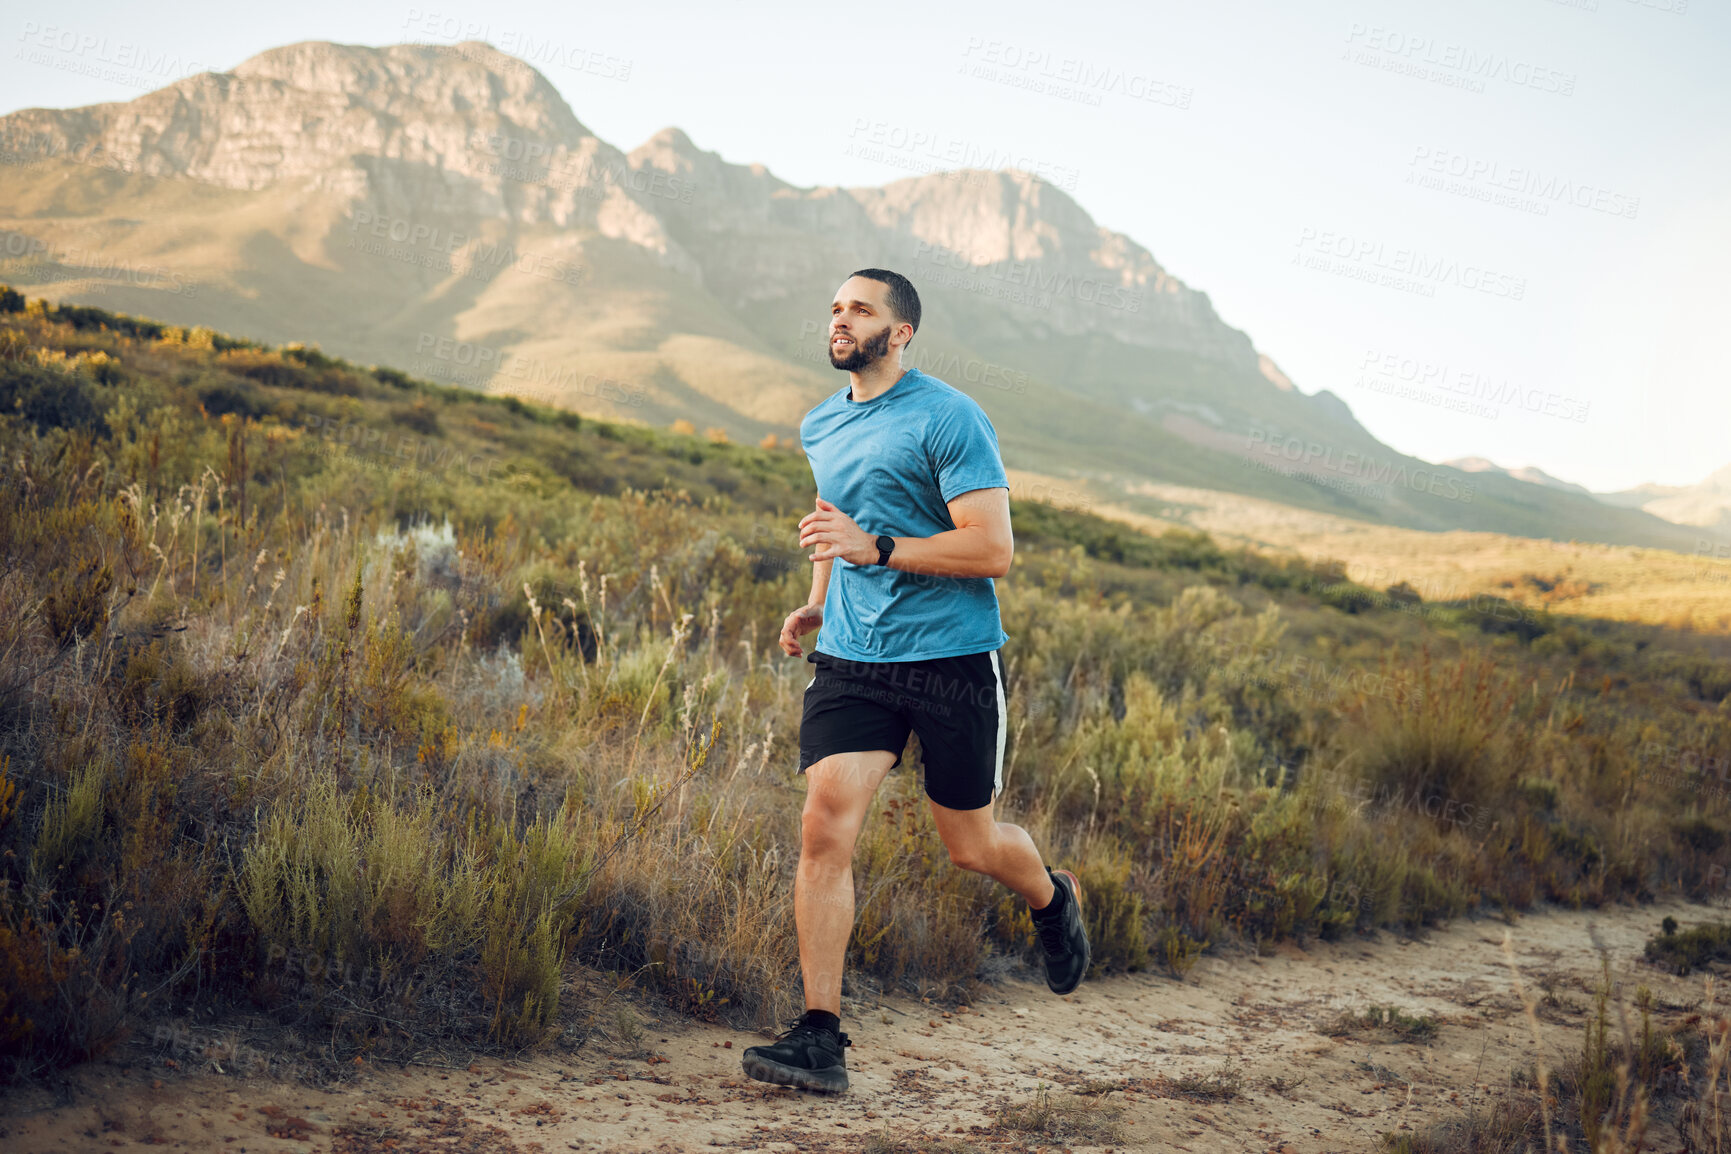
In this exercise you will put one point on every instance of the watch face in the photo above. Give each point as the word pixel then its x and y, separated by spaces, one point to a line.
pixel 885 544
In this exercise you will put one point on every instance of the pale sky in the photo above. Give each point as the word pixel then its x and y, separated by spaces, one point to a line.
pixel 1240 141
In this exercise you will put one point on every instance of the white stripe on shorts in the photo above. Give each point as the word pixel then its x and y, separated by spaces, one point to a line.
pixel 1003 726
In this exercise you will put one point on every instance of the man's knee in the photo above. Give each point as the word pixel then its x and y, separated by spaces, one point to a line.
pixel 824 829
pixel 972 855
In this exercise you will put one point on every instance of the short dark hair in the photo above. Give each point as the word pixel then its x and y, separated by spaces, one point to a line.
pixel 904 301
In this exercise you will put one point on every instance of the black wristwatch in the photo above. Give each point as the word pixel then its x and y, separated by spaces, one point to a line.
pixel 886 545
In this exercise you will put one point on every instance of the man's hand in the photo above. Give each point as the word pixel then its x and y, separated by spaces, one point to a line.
pixel 801 621
pixel 835 535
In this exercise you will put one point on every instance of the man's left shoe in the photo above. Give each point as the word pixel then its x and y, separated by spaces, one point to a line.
pixel 807 1056
pixel 1065 939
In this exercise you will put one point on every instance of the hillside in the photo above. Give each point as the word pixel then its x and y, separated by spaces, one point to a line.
pixel 445 212
pixel 1687 591
pixel 361 730
pixel 1706 505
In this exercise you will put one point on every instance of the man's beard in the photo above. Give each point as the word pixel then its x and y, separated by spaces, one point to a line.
pixel 864 354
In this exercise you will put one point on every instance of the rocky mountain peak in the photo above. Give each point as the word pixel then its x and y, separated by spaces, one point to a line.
pixel 470 80
pixel 318 110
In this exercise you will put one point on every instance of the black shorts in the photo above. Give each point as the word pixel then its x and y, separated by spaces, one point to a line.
pixel 955 704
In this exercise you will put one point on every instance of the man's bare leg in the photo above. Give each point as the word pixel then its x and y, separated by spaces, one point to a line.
pixel 1006 853
pixel 1001 851
pixel 839 790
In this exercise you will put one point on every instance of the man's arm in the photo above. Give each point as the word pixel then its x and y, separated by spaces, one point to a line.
pixel 981 544
pixel 819 583
pixel 808 616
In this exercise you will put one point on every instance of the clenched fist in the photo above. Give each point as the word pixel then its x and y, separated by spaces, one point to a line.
pixel 835 534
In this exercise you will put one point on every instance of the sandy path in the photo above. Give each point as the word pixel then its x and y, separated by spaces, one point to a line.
pixel 917 1072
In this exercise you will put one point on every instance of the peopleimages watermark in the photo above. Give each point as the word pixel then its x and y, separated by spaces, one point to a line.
pixel 1258 880
pixel 1065 77
pixel 1352 463
pixel 98 56
pixel 1057 496
pixel 379 449
pixel 528 46
pixel 1410 392
pixel 1467 389
pixel 1348 789
pixel 1669 7
pixel 180 1041
pixel 1523 188
pixel 774 547
pixel 20 251
pixel 428 246
pixel 1270 668
pixel 527 161
pixel 472 364
pixel 1686 767
pixel 1448 64
pixel 1421 597
pixel 1343 485
pixel 42 148
pixel 1717 551
pixel 1404 269
pixel 911 686
pixel 927 150
pixel 555 387
pixel 1031 284
pixel 312 968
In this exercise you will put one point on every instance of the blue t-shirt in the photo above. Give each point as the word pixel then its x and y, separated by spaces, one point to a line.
pixel 892 463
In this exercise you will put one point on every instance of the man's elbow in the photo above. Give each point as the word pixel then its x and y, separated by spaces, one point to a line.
pixel 1000 561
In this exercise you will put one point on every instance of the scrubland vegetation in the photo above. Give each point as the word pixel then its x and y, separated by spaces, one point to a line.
pixel 388 710
pixel 1630 1080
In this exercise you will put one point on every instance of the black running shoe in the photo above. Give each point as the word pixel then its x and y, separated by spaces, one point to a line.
pixel 1065 939
pixel 807 1056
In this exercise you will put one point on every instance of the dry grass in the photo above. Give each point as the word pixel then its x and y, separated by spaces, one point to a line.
pixel 1066 1118
pixel 392 755
pixel 1384 1019
pixel 1628 1087
pixel 1220 1085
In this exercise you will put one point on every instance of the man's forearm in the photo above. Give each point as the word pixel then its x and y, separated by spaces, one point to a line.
pixel 819 582
pixel 980 545
pixel 965 552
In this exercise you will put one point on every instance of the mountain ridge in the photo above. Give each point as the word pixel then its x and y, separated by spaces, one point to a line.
pixel 443 209
pixel 1706 504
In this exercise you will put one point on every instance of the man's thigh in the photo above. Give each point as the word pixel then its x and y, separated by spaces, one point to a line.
pixel 839 787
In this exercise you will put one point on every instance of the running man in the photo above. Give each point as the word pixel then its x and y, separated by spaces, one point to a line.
pixel 912 523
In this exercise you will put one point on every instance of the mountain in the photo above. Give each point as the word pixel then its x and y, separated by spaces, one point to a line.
pixel 1531 474
pixel 1706 505
pixel 441 210
pixel 1640 495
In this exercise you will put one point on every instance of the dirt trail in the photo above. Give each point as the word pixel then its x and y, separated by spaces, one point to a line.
pixel 921 1076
